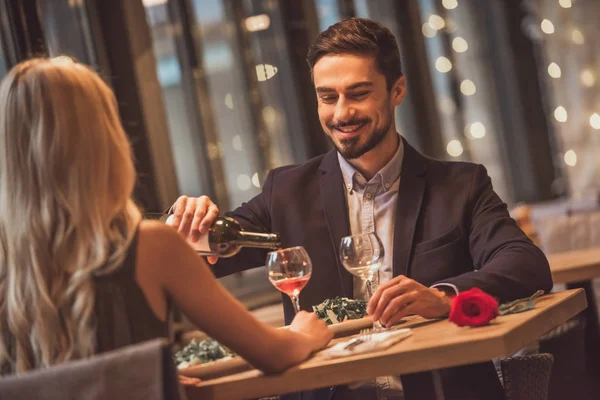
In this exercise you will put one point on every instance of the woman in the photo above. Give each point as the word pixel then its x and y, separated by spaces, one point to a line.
pixel 79 272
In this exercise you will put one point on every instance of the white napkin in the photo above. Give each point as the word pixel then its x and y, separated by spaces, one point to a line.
pixel 378 341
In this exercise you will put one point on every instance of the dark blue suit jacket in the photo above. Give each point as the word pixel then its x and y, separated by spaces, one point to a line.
pixel 450 227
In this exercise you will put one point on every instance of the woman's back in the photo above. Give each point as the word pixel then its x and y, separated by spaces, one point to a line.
pixel 123 316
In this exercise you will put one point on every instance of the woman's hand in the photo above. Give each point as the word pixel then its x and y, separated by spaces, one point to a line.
pixel 315 330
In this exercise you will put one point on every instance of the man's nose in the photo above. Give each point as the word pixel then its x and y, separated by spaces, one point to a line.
pixel 343 111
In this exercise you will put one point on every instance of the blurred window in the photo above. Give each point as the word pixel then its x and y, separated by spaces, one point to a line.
pixel 328 12
pixel 187 152
pixel 67 30
pixel 570 67
pixel 464 87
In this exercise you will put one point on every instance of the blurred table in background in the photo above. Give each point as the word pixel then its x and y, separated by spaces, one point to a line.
pixel 575 265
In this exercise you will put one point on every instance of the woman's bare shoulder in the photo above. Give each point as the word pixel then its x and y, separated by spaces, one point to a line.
pixel 158 240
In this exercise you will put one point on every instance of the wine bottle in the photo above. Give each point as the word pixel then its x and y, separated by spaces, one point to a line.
pixel 226 237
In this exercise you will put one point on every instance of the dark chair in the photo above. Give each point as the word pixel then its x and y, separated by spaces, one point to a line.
pixel 144 371
pixel 527 377
pixel 570 378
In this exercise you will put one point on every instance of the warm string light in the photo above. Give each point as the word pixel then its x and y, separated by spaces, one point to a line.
pixel 428 31
pixel 443 65
pixel 565 3
pixel 449 4
pixel 577 36
pixel 467 87
pixel 477 130
pixel 257 23
pixel 595 121
pixel 554 70
pixel 255 180
pixel 460 45
pixel 587 78
pixel 244 182
pixel 436 22
pixel 265 71
pixel 571 158
pixel 547 27
pixel 454 148
pixel 560 114
pixel 229 101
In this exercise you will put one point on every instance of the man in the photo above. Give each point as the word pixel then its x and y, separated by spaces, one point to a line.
pixel 443 227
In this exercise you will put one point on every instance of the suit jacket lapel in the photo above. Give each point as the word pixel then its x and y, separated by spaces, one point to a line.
pixel 335 207
pixel 410 199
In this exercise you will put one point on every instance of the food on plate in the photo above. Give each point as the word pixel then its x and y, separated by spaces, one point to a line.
pixel 340 309
pixel 201 352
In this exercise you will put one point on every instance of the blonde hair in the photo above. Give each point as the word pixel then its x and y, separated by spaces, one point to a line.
pixel 66 213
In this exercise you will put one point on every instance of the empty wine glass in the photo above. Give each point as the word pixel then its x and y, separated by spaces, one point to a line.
pixel 362 255
pixel 289 271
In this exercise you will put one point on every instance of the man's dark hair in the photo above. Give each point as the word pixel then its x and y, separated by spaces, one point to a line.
pixel 361 37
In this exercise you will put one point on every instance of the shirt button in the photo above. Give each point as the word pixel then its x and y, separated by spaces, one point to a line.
pixel 387 185
pixel 368 195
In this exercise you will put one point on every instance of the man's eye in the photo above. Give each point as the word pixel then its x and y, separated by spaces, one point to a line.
pixel 360 95
pixel 328 99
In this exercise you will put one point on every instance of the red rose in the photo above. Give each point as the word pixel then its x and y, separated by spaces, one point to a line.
pixel 473 308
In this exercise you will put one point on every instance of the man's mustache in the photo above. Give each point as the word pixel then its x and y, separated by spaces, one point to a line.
pixel 348 123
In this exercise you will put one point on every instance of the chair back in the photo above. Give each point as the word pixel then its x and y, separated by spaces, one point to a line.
pixel 527 377
pixel 143 371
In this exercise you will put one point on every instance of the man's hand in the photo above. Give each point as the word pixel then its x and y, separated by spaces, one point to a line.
pixel 192 216
pixel 402 296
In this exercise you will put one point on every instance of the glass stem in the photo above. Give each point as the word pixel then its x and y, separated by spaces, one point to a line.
pixel 369 289
pixel 295 302
pixel 377 327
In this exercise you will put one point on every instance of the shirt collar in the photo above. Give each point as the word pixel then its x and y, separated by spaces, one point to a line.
pixel 386 176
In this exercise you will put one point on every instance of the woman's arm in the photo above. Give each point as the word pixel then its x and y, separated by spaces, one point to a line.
pixel 167 262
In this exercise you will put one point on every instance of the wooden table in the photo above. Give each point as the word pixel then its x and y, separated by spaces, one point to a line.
pixel 575 266
pixel 433 345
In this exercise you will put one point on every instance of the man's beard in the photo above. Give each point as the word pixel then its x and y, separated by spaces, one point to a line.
pixel 350 148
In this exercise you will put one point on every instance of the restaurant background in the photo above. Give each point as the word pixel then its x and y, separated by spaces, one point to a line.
pixel 215 93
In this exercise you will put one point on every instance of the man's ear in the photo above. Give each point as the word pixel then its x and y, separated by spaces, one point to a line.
pixel 398 90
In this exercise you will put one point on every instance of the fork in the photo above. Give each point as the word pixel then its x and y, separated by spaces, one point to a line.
pixel 363 336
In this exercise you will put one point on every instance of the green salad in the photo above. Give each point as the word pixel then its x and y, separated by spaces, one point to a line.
pixel 340 309
pixel 201 352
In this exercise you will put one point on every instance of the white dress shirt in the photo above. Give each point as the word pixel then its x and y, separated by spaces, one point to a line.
pixel 372 208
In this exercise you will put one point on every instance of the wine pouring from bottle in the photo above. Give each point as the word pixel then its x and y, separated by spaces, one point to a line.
pixel 226 237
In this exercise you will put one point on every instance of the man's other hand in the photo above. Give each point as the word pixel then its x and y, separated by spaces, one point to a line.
pixel 402 296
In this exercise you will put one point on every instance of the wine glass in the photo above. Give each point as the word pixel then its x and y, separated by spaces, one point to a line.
pixel 289 271
pixel 362 255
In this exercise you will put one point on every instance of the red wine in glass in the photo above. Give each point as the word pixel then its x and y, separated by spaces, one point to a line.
pixel 289 271
pixel 291 286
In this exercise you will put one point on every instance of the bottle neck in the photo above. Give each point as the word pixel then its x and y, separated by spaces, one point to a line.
pixel 260 240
